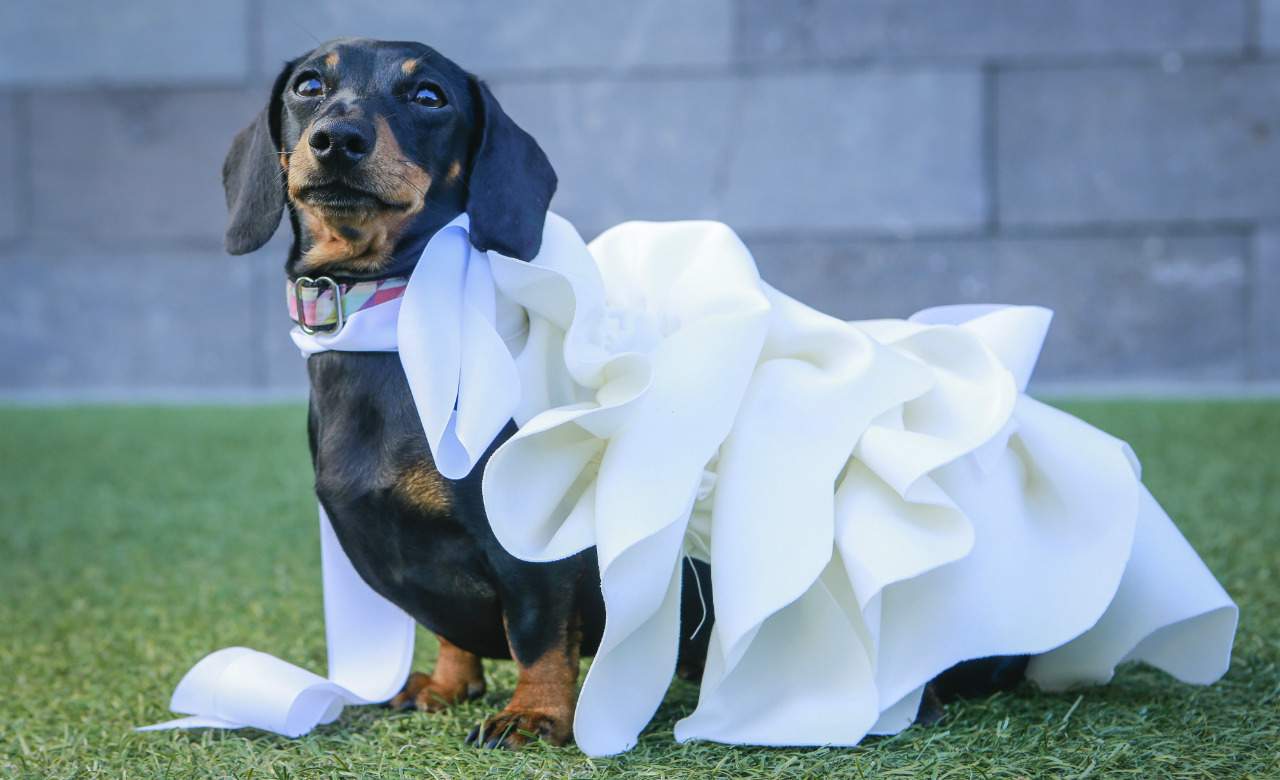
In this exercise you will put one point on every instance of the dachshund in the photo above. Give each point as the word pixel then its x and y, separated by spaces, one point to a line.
pixel 371 147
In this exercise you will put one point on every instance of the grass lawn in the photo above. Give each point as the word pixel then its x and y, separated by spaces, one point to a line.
pixel 135 540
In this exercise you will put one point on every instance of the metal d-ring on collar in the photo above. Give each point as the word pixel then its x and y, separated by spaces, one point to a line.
pixel 321 282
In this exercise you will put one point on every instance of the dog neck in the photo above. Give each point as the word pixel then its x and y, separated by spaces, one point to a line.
pixel 399 261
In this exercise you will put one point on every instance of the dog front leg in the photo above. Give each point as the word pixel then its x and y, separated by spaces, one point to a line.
pixel 458 676
pixel 543 703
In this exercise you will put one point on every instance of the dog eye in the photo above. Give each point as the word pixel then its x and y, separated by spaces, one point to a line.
pixel 309 86
pixel 428 95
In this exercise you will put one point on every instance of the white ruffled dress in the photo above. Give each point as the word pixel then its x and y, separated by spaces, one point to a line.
pixel 877 500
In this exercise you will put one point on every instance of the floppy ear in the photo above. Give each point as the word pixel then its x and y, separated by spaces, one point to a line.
pixel 510 185
pixel 252 177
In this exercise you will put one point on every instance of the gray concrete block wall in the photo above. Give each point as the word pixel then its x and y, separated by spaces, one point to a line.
pixel 132 168
pixel 10 171
pixel 1263 302
pixel 1126 308
pixel 855 30
pixel 183 320
pixel 1114 159
pixel 1131 144
pixel 57 43
pixel 723 147
pixel 499 37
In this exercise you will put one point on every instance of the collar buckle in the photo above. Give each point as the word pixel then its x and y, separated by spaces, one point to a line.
pixel 320 284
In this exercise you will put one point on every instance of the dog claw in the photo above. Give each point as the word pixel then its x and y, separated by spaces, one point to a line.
pixel 497 739
pixel 515 729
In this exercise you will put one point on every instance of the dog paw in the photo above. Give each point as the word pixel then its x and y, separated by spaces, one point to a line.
pixel 931 711
pixel 426 694
pixel 513 729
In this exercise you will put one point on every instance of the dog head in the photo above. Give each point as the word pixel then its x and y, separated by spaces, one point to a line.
pixel 374 146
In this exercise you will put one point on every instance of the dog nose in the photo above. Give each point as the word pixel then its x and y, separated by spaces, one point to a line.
pixel 341 143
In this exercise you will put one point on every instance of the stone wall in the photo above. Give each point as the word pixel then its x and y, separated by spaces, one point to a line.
pixel 1118 160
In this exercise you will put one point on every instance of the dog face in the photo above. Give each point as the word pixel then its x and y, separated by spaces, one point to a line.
pixel 373 146
pixel 367 131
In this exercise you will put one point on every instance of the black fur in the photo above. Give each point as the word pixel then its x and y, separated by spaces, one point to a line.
pixel 507 213
pixel 252 179
pixel 446 569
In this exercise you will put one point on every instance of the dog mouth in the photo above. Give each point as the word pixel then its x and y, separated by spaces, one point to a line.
pixel 340 197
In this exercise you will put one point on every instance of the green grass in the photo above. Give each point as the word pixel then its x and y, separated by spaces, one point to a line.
pixel 134 540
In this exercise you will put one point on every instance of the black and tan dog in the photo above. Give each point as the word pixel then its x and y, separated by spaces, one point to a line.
pixel 372 147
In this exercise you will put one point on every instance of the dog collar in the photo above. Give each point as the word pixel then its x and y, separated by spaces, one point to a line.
pixel 322 304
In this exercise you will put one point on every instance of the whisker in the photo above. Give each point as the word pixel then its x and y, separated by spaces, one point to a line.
pixel 421 193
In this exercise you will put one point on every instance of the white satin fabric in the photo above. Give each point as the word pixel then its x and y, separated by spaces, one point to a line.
pixel 878 500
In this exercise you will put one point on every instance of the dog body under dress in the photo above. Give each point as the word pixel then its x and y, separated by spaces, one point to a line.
pixel 877 500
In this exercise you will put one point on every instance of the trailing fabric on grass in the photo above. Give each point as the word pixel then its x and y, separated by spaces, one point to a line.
pixel 878 500
pixel 370 643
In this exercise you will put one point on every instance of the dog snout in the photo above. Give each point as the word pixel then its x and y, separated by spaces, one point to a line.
pixel 340 143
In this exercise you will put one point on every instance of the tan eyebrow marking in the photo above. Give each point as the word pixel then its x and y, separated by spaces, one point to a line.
pixel 408 66
pixel 331 59
pixel 455 171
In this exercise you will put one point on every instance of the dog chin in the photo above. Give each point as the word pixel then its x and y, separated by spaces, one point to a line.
pixel 343 200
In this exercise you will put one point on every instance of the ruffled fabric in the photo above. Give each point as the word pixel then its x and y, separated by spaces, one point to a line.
pixel 659 347
pixel 878 500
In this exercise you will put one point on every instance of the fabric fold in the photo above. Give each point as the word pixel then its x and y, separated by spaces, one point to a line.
pixel 1053 519
pixel 1181 624
pixel 460 372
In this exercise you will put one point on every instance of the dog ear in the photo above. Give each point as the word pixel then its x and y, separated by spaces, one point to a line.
pixel 252 176
pixel 510 185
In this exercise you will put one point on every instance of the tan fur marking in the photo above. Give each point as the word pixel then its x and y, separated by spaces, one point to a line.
pixel 424 487
pixel 543 702
pixel 458 676
pixel 547 685
pixel 455 171
pixel 331 59
pixel 362 240
pixel 408 67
